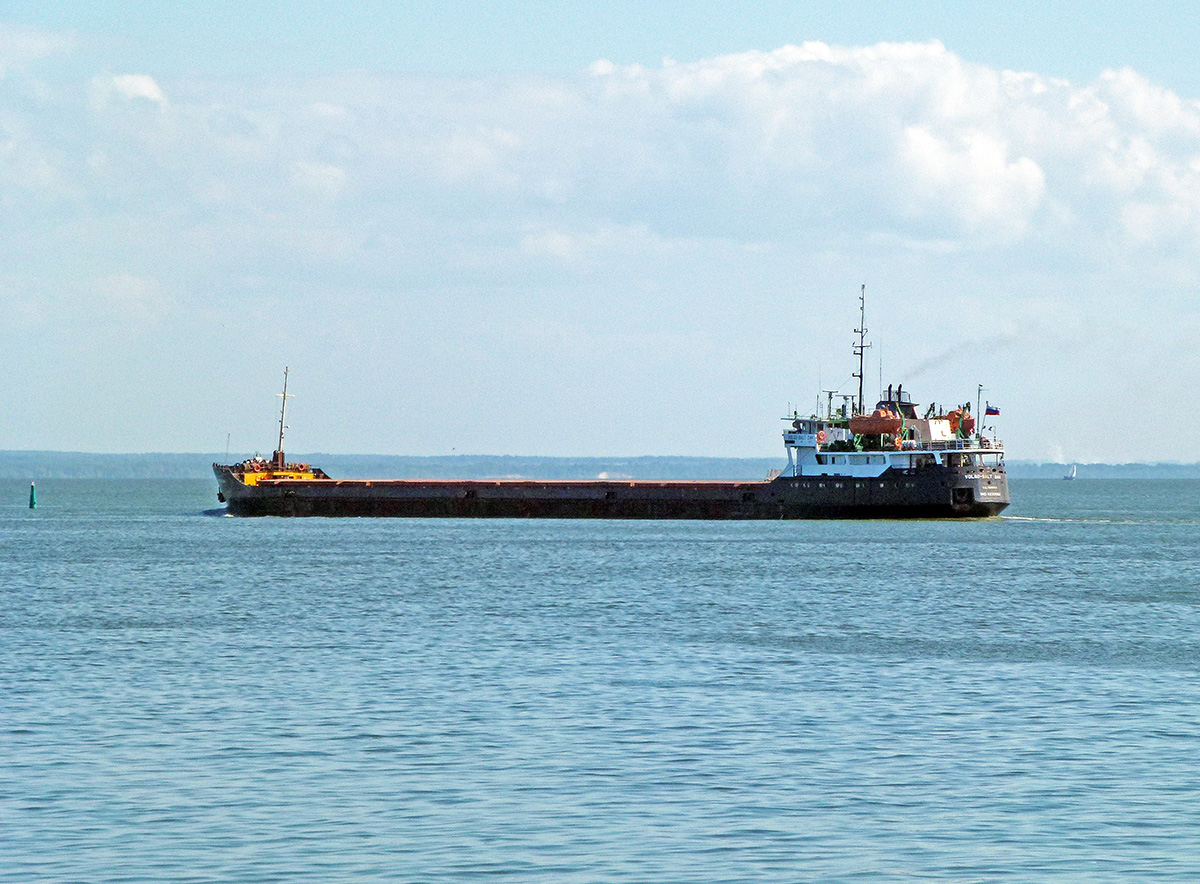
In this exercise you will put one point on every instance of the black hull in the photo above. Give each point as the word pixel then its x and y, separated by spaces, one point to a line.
pixel 927 494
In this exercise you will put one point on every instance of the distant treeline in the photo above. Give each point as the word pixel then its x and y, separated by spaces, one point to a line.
pixel 35 465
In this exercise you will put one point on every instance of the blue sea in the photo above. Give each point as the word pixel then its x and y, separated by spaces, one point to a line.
pixel 186 696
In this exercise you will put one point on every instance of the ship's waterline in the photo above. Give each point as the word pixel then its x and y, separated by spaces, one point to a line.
pixel 930 493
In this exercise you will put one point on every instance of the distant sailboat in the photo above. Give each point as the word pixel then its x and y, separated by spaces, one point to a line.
pixel 1070 472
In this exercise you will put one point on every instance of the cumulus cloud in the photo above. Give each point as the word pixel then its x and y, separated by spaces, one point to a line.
pixel 974 180
pixel 723 200
pixel 906 141
pixel 887 136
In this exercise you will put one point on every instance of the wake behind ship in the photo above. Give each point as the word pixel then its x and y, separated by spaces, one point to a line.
pixel 847 463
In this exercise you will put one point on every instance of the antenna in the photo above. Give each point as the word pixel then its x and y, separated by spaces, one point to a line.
pixel 829 394
pixel 862 346
pixel 279 459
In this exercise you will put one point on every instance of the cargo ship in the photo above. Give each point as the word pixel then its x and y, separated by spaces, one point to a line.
pixel 846 462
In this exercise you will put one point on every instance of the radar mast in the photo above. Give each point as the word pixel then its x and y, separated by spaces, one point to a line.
pixel 284 396
pixel 862 346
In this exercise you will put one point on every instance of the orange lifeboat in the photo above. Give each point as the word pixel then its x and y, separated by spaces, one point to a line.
pixel 877 423
pixel 959 418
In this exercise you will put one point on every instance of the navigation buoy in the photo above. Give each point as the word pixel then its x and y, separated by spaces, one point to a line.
pixel 33 495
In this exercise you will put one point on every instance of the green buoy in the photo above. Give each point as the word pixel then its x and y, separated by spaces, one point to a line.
pixel 33 495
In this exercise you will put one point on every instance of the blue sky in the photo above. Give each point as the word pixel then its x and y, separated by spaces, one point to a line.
pixel 1074 40
pixel 526 228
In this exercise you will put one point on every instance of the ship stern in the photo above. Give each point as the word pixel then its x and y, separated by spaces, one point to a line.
pixel 979 491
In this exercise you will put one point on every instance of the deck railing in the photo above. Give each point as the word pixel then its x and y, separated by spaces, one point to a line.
pixel 961 445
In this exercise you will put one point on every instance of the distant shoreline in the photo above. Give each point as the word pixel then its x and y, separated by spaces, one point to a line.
pixel 35 465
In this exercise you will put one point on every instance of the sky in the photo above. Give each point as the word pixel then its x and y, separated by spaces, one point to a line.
pixel 523 228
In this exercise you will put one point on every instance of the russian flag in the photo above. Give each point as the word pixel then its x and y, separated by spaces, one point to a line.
pixel 990 410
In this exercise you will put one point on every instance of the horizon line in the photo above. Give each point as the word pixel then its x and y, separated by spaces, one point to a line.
pixel 204 454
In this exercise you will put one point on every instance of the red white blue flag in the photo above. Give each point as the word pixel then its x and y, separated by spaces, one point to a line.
pixel 991 409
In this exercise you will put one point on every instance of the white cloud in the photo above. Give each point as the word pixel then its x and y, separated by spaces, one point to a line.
pixel 900 140
pixel 1146 106
pixel 904 133
pixel 134 86
pixel 128 87
pixel 974 180
pixel 20 46
pixel 736 200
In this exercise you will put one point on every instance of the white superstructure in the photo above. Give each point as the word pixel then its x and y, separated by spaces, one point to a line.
pixel 828 447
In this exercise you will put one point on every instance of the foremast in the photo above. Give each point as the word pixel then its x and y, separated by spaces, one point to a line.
pixel 278 460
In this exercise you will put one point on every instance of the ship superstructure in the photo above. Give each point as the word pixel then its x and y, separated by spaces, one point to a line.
pixel 892 445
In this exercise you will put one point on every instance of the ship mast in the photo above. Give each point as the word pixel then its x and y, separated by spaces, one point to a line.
pixel 284 396
pixel 861 347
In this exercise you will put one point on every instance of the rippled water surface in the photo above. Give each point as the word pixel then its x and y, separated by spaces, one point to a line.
pixel 187 697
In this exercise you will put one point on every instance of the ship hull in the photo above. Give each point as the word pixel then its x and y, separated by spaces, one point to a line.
pixel 897 494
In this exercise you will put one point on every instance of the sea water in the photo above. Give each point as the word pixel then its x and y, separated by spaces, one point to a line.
pixel 191 697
